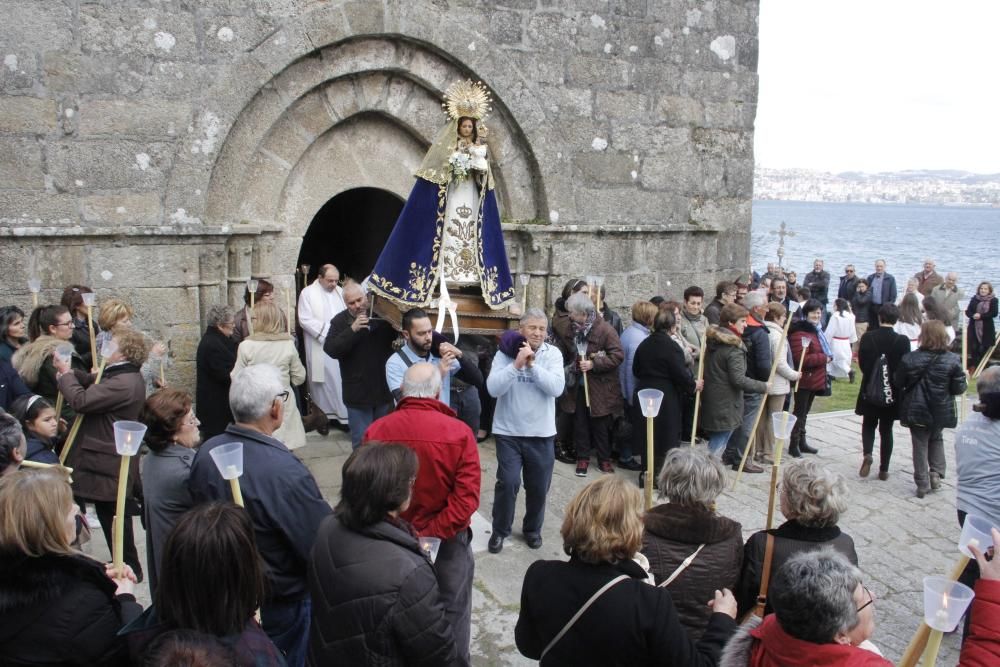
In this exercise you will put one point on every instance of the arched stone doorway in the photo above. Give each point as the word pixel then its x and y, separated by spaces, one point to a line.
pixel 350 230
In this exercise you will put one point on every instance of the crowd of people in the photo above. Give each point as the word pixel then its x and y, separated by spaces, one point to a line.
pixel 385 576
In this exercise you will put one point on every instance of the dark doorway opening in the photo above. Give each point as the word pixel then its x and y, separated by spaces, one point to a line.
pixel 350 231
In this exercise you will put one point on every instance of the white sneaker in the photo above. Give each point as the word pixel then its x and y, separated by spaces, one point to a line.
pixel 92 519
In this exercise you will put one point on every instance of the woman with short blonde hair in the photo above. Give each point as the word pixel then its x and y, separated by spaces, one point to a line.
pixel 60 607
pixel 599 609
pixel 812 499
pixel 114 312
pixel 270 343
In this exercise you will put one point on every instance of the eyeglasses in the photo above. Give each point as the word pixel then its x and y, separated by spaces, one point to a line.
pixel 283 396
pixel 64 324
pixel 871 599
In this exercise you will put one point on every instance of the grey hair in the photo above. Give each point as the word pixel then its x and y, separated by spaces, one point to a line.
pixel 989 381
pixel 430 387
pixel 813 495
pixel 220 314
pixel 533 314
pixel 691 477
pixel 11 434
pixel 253 391
pixel 580 303
pixel 812 595
pixel 754 299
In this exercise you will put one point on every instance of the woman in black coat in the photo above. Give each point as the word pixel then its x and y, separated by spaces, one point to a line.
pixel 214 362
pixel 375 597
pixel 630 622
pixel 930 378
pixel 981 312
pixel 57 606
pixel 874 343
pixel 659 364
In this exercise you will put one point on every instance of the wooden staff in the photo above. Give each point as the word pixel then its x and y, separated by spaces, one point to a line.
pixel 915 649
pixel 650 472
pixel 234 485
pixel 769 547
pixel 75 428
pixel 59 405
pixel 250 314
pixel 34 299
pixel 763 403
pixel 163 380
pixel 802 359
pixel 119 521
pixel 90 328
pixel 288 307
pixel 697 394
pixel 41 466
pixel 986 358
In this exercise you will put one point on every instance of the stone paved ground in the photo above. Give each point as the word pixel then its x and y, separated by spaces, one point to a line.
pixel 899 538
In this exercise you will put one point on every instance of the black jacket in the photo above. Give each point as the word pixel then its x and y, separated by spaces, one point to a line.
pixel 612 318
pixel 861 306
pixel 632 623
pixel 375 600
pixel 875 343
pixel 11 385
pixel 928 381
pixel 790 538
pixel 60 610
pixel 758 344
pixel 659 364
pixel 848 286
pixel 282 498
pixel 818 284
pixel 362 355
pixel 214 362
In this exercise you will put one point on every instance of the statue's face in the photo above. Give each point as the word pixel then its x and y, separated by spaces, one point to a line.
pixel 465 128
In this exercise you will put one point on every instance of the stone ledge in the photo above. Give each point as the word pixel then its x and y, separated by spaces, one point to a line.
pixel 133 231
pixel 599 229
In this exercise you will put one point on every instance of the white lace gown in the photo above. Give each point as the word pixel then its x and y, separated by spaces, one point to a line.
pixel 460 241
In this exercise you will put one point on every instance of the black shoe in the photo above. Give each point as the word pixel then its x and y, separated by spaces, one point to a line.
pixel 749 467
pixel 630 464
pixel 581 467
pixel 565 456
pixel 495 545
pixel 806 449
pixel 851 376
pixel 533 542
pixel 793 451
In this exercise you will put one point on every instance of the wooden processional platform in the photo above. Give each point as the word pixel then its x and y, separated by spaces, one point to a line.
pixel 474 316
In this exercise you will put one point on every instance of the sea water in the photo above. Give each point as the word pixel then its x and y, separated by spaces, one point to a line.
pixel 961 239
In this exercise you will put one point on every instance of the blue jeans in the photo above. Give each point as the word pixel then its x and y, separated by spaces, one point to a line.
pixel 359 419
pixel 736 444
pixel 717 442
pixel 466 405
pixel 535 457
pixel 287 624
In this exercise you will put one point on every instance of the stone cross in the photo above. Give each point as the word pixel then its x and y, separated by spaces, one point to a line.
pixel 782 233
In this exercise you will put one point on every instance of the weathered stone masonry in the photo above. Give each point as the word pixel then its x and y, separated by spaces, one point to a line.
pixel 165 151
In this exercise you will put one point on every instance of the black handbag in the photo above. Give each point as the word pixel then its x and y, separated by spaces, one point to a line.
pixel 827 389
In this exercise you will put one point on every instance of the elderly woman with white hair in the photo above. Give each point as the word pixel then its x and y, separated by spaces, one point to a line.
pixel 692 550
pixel 812 500
pixel 823 615
pixel 604 353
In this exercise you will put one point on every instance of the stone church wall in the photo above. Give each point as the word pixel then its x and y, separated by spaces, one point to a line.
pixel 166 151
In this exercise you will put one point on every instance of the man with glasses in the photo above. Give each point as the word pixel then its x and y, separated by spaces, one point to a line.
pixel 848 284
pixel 281 496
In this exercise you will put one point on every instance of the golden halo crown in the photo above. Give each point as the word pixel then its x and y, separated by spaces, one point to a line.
pixel 465 98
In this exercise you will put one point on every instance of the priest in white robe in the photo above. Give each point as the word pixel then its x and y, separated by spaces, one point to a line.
pixel 318 303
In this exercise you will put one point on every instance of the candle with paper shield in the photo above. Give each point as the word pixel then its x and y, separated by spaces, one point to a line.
pixel 649 403
pixel 598 284
pixel 128 439
pixel 108 349
pixel 34 286
pixel 581 349
pixel 524 278
pixel 782 423
pixel 252 289
pixel 89 300
pixel 430 546
pixel 945 602
pixel 228 459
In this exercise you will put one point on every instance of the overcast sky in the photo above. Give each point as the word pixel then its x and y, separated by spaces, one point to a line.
pixel 879 85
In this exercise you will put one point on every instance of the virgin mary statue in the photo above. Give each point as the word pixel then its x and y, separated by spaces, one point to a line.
pixel 448 234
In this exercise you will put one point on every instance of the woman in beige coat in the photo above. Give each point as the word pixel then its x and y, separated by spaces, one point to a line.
pixel 271 344
pixel 781 384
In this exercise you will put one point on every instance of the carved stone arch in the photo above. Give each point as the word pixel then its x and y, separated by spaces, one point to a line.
pixel 360 112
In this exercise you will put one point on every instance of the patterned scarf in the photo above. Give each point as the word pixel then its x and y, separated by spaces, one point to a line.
pixel 582 330
pixel 983 308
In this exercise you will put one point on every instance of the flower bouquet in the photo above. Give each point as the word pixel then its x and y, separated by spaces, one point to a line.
pixel 460 163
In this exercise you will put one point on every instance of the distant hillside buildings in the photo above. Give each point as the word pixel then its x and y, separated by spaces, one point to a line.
pixel 958 188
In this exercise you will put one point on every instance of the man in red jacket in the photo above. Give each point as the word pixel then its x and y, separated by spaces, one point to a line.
pixel 446 490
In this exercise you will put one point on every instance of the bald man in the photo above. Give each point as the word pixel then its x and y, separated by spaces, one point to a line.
pixel 361 345
pixel 318 304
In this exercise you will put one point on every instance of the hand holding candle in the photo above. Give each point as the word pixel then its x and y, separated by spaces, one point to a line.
pixel 581 350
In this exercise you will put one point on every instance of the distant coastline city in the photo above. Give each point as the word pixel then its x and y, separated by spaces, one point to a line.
pixel 932 187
